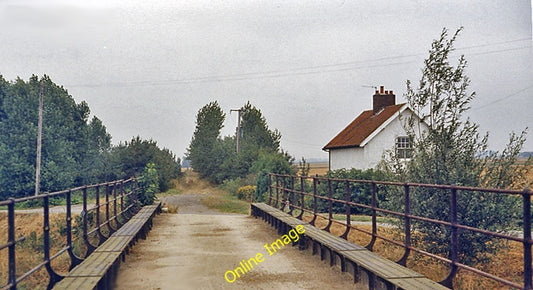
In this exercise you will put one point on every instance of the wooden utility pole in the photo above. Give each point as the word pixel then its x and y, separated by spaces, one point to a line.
pixel 238 128
pixel 39 142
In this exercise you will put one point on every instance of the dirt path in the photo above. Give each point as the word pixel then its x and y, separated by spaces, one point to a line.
pixel 194 248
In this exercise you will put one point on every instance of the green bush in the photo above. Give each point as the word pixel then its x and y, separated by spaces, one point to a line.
pixel 149 185
pixel 270 162
pixel 232 185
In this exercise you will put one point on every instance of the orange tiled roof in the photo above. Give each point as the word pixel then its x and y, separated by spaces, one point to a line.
pixel 362 127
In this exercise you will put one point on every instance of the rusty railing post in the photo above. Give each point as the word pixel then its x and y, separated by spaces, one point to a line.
pixel 277 191
pixel 270 189
pixel 52 275
pixel 291 195
pixel 118 223
pixel 74 260
pixel 407 224
pixel 122 194
pixel 84 214
pixel 330 206
pixel 300 216
pixel 312 222
pixel 448 281
pixel 108 221
pixel 348 211
pixel 282 192
pixel 374 190
pixel 526 196
pixel 12 275
pixel 101 237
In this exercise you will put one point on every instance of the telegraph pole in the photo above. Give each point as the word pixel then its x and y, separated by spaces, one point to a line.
pixel 39 142
pixel 238 128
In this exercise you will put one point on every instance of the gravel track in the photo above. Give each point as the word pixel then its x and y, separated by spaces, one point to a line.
pixel 194 248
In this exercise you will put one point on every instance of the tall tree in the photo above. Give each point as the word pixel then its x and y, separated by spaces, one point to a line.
pixel 209 122
pixel 450 152
pixel 255 131
pixel 67 141
pixel 256 137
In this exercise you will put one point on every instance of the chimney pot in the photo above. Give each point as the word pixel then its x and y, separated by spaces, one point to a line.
pixel 382 99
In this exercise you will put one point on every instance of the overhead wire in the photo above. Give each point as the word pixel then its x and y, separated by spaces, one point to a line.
pixel 501 99
pixel 308 70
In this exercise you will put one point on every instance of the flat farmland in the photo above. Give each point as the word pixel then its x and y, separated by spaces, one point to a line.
pixel 318 168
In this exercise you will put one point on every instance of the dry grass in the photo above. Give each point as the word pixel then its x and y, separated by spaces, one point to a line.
pixel 214 197
pixel 169 208
pixel 29 253
pixel 318 168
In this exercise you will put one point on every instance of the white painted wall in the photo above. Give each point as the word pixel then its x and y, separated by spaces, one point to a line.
pixel 371 154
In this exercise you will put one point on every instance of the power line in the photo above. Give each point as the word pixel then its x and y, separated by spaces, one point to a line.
pixel 503 98
pixel 309 70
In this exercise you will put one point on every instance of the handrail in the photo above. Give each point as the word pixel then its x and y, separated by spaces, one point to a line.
pixel 121 203
pixel 282 189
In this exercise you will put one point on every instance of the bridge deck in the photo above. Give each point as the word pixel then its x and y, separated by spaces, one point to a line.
pixel 194 248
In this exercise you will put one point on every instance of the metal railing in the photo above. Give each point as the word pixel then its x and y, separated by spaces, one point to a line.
pixel 114 203
pixel 288 193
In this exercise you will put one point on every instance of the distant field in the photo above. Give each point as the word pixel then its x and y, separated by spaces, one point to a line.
pixel 318 168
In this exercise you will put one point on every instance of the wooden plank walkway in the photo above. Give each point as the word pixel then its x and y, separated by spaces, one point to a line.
pixel 99 269
pixel 367 268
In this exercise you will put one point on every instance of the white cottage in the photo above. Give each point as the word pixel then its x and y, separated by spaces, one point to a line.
pixel 363 142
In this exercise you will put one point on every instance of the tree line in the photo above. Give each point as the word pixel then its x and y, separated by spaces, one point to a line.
pixel 76 149
pixel 216 159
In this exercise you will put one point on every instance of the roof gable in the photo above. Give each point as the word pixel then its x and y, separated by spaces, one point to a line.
pixel 357 133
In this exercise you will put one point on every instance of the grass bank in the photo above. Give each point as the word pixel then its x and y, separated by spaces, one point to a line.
pixel 213 196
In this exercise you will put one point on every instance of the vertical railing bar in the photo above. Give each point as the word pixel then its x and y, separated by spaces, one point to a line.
pixel 374 217
pixel 407 224
pixel 52 275
pixel 282 193
pixel 526 196
pixel 84 213
pixel 330 206
pixel 12 275
pixel 108 192
pixel 101 237
pixel 348 211
pixel 454 251
pixel 118 224
pixel 74 260
pixel 122 213
pixel 277 191
pixel 269 189
pixel 107 206
pixel 300 216
pixel 312 222
pixel 291 195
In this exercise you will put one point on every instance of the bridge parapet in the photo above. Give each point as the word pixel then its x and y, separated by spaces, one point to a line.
pixel 299 196
pixel 105 208
pixel 367 268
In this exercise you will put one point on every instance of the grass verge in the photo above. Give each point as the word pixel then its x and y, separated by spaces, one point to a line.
pixel 226 202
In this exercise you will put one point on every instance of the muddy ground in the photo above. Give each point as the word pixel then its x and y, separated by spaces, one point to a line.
pixel 194 248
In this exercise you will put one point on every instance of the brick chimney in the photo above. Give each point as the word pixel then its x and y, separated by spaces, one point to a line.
pixel 382 99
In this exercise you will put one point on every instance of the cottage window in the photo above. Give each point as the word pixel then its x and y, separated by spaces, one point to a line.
pixel 404 147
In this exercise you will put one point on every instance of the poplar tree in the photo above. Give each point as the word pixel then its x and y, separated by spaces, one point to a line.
pixel 201 150
pixel 452 151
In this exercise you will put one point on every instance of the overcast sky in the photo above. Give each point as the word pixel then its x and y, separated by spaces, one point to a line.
pixel 146 67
